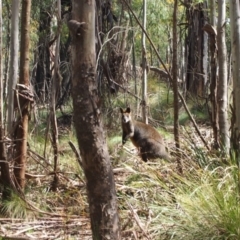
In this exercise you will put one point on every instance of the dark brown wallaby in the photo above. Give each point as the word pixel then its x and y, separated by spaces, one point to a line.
pixel 146 138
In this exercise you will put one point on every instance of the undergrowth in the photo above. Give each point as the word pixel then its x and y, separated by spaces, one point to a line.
pixel 198 204
pixel 155 201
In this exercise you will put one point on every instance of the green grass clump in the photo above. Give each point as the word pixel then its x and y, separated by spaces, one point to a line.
pixel 16 207
pixel 200 204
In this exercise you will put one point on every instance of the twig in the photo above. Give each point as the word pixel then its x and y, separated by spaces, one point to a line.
pixel 137 219
pixel 76 153
pixel 40 157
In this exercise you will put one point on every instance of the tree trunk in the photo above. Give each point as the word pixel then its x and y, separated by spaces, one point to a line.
pixel 22 128
pixel 1 67
pixel 212 17
pixel 43 72
pixel 213 76
pixel 7 50
pixel 5 174
pixel 88 123
pixel 222 95
pixel 175 85
pixel 13 71
pixel 212 33
pixel 196 46
pixel 54 90
pixel 134 70
pixel 144 67
pixel 235 39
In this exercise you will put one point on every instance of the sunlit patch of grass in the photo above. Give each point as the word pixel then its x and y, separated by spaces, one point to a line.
pixel 165 133
pixel 183 118
pixel 206 206
pixel 200 204
pixel 113 142
pixel 160 100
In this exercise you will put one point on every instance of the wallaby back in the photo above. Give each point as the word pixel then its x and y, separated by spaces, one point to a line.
pixel 146 138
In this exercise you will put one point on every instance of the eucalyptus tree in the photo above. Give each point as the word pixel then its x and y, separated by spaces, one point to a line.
pixel 55 86
pixel 25 96
pixel 144 66
pixel 43 56
pixel 13 70
pixel 88 123
pixel 222 93
pixel 235 40
pixel 175 82
pixel 212 15
pixel 5 173
pixel 212 32
pixel 196 47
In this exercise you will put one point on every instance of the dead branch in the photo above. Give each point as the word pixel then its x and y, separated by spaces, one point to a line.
pixel 76 153
pixel 137 219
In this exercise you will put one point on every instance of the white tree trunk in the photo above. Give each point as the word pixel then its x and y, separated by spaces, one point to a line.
pixel 13 70
pixel 235 40
pixel 222 96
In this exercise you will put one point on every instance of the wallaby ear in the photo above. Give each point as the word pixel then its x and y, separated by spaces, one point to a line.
pixel 121 110
pixel 128 110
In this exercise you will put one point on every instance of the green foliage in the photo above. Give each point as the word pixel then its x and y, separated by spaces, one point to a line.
pixel 208 206
pixel 113 142
pixel 200 204
pixel 15 208
pixel 64 33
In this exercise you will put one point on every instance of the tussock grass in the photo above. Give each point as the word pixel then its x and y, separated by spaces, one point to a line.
pixel 16 208
pixel 200 204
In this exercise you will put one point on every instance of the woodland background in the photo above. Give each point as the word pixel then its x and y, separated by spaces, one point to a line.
pixel 66 67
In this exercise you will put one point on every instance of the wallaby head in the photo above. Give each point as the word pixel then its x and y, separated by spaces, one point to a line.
pixel 126 115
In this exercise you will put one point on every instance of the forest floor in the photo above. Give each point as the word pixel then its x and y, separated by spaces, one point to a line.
pixel 64 214
pixel 60 222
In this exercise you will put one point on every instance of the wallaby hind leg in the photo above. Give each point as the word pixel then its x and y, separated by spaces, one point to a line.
pixel 143 156
pixel 157 150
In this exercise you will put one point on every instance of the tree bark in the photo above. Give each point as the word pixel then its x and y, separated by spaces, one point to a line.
pixel 54 89
pixel 175 85
pixel 213 73
pixel 212 17
pixel 88 123
pixel 235 40
pixel 196 47
pixel 222 95
pixel 210 29
pixel 13 71
pixel 5 173
pixel 144 67
pixel 22 128
pixel 43 70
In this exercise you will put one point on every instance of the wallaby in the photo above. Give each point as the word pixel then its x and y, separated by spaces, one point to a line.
pixel 146 138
